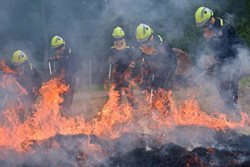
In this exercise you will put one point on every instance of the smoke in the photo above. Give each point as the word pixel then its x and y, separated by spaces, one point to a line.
pixel 244 54
pixel 86 27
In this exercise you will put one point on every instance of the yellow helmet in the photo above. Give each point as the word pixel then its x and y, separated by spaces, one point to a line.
pixel 118 33
pixel 202 16
pixel 143 32
pixel 19 57
pixel 57 41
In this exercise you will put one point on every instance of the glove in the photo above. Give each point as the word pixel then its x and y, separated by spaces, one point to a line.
pixel 131 65
pixel 51 59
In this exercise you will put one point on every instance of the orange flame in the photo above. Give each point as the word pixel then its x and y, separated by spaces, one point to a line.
pixel 7 81
pixel 5 68
pixel 114 120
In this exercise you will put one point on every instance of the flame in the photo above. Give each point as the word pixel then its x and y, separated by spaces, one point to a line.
pixel 10 83
pixel 111 117
pixel 8 80
pixel 112 121
pixel 191 114
pixel 40 125
pixel 5 68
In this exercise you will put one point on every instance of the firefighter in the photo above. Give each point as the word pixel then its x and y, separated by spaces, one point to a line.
pixel 27 76
pixel 222 39
pixel 121 65
pixel 157 60
pixel 66 68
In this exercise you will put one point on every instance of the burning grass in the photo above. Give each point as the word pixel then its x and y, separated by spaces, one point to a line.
pixel 45 122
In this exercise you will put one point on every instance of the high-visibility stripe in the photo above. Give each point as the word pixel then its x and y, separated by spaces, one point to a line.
pixel 125 47
pixel 221 21
pixel 160 38
pixel 31 67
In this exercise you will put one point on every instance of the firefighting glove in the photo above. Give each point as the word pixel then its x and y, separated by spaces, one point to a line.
pixel 132 65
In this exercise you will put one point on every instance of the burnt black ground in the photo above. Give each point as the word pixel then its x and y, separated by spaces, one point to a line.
pixel 231 149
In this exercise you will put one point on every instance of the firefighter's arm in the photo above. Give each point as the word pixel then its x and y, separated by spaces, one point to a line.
pixel 131 65
pixel 55 57
pixel 129 72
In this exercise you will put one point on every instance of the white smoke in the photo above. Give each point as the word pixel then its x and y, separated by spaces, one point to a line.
pixel 244 56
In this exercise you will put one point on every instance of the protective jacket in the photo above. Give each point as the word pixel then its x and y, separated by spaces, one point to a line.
pixel 120 61
pixel 67 67
pixel 224 42
pixel 67 64
pixel 226 70
pixel 29 78
pixel 158 69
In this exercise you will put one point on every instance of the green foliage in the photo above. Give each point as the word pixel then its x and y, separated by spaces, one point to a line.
pixel 245 81
pixel 243 28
